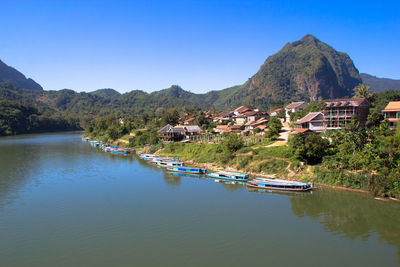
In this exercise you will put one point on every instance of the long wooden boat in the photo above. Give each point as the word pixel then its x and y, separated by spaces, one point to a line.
pixel 278 184
pixel 187 170
pixel 229 176
pixel 170 163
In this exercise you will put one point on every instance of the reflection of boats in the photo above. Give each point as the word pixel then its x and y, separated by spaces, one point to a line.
pixel 229 176
pixel 187 170
pixel 186 174
pixel 229 181
pixel 277 184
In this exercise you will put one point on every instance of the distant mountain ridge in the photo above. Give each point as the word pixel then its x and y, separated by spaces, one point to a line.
pixel 10 75
pixel 380 84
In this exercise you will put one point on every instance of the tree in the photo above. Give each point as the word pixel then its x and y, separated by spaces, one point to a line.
pixel 233 143
pixel 274 126
pixel 362 91
pixel 171 116
pixel 310 148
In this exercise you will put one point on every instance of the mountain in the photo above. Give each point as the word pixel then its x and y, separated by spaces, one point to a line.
pixel 380 84
pixel 307 69
pixel 10 75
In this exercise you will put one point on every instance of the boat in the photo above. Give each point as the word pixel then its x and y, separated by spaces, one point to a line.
pixel 229 176
pixel 187 170
pixel 170 163
pixel 278 184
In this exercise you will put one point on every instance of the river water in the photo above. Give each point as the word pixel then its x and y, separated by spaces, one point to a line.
pixel 64 203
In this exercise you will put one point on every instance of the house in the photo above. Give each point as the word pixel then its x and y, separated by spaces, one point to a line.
pixel 222 129
pixel 191 130
pixel 293 108
pixel 339 113
pixel 255 115
pixel 275 112
pixel 223 117
pixel 241 109
pixel 240 119
pixel 188 121
pixel 177 133
pixel 236 128
pixel 313 121
pixel 392 113
pixel 251 125
pixel 169 133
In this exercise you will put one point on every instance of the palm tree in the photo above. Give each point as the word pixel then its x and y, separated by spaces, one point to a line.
pixel 361 91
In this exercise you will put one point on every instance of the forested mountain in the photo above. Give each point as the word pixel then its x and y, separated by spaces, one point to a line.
pixel 380 84
pixel 12 76
pixel 303 70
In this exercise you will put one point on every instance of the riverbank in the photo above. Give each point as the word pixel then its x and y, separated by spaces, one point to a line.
pixel 267 161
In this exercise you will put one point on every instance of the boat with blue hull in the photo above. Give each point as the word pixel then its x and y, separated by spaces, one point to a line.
pixel 187 170
pixel 278 184
pixel 229 176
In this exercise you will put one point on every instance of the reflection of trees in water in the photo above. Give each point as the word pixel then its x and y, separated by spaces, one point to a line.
pixel 173 179
pixel 350 214
pixel 232 186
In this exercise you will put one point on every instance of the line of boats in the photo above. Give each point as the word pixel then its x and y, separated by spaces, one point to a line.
pixel 108 148
pixel 174 165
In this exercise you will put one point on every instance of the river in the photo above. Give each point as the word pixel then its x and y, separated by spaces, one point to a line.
pixel 64 203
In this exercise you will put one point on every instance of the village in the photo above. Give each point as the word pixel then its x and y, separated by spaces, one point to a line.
pixel 245 121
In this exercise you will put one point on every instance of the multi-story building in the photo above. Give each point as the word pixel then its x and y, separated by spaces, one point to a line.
pixel 338 113
pixel 392 113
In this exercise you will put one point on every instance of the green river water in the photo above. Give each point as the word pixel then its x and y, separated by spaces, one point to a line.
pixel 64 203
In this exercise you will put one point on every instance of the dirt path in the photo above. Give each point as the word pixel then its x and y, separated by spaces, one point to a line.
pixel 283 136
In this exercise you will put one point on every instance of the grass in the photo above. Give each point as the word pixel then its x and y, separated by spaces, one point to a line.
pixel 272 160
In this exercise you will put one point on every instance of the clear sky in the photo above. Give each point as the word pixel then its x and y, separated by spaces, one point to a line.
pixel 200 45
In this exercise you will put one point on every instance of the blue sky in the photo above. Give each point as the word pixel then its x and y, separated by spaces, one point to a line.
pixel 199 45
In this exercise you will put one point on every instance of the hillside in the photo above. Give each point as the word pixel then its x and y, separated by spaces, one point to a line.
pixel 12 76
pixel 303 70
pixel 380 84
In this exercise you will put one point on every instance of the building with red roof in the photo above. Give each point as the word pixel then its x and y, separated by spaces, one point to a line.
pixel 339 113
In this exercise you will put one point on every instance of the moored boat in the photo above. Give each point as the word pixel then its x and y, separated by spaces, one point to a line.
pixel 278 184
pixel 187 170
pixel 229 176
pixel 170 163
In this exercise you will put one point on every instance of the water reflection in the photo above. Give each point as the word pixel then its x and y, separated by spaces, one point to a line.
pixel 351 215
pixel 231 186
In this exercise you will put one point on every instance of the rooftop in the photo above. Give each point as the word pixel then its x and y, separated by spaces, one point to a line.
pixel 393 106
pixel 301 130
pixel 308 117
pixel 294 105
pixel 351 102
